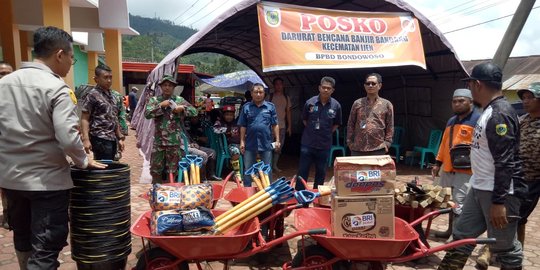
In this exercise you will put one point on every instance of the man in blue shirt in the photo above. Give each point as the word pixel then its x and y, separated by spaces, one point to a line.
pixel 321 116
pixel 257 121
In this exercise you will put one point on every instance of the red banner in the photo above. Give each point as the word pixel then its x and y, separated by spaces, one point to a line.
pixel 296 37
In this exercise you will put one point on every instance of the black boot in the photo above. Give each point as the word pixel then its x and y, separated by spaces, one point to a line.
pixel 211 172
pixel 511 268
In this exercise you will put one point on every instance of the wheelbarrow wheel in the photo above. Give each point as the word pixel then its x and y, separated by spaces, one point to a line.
pixel 158 258
pixel 314 255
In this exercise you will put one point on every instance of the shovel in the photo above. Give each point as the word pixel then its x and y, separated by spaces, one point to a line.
pixel 306 197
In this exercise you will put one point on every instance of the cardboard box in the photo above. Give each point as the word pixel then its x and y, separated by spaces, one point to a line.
pixel 364 175
pixel 363 216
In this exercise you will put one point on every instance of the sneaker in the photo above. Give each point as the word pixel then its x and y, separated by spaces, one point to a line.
pixel 484 257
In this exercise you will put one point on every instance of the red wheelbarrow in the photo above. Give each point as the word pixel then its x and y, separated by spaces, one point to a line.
pixel 331 251
pixel 175 252
pixel 217 189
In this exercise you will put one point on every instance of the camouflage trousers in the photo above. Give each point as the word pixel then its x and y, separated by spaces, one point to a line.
pixel 164 159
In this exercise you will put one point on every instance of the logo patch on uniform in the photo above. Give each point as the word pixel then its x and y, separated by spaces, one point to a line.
pixel 501 129
pixel 72 96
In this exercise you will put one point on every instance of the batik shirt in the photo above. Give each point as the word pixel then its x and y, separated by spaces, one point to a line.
pixel 102 107
pixel 529 150
pixel 370 126
pixel 168 125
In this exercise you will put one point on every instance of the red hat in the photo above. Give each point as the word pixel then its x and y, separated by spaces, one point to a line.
pixel 228 108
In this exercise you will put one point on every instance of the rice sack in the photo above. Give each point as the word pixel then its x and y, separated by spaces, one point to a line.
pixel 177 222
pixel 166 197
pixel 166 222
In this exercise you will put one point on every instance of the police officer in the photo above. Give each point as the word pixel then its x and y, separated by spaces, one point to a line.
pixel 38 128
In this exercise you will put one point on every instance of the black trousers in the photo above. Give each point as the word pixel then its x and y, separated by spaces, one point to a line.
pixel 103 149
pixel 39 220
pixel 529 203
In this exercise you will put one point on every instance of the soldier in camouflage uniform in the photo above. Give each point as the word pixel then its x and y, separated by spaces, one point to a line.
pixel 167 111
pixel 529 153
pixel 122 115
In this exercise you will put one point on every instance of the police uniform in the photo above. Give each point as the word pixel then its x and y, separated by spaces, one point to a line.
pixel 38 128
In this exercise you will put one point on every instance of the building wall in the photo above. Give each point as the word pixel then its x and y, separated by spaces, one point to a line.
pixel 80 70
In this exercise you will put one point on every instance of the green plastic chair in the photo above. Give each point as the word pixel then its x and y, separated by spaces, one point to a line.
pixel 223 155
pixel 335 147
pixel 396 141
pixel 212 138
pixel 433 146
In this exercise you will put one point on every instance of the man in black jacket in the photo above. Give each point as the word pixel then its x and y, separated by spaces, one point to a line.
pixel 492 204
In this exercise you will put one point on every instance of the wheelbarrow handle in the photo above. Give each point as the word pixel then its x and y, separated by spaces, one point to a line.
pixel 444 211
pixel 317 231
pixel 486 241
pixel 302 180
pixel 429 215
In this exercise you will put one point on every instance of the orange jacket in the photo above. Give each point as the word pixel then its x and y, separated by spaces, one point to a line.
pixel 462 134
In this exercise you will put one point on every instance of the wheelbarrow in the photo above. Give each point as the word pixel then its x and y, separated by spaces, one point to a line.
pixel 175 252
pixel 331 251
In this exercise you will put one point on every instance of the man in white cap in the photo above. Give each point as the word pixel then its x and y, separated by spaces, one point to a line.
pixel 457 137
pixel 493 201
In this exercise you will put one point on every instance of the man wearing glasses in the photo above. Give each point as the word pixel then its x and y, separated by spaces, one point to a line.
pixel 38 128
pixel 371 122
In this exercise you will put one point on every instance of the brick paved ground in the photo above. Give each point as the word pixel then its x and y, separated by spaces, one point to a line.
pixel 275 258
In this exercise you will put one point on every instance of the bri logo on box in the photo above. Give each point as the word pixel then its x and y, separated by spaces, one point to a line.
pixel 369 175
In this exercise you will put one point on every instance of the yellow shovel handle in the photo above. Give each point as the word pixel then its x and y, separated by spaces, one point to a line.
pixel 231 214
pixel 246 201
